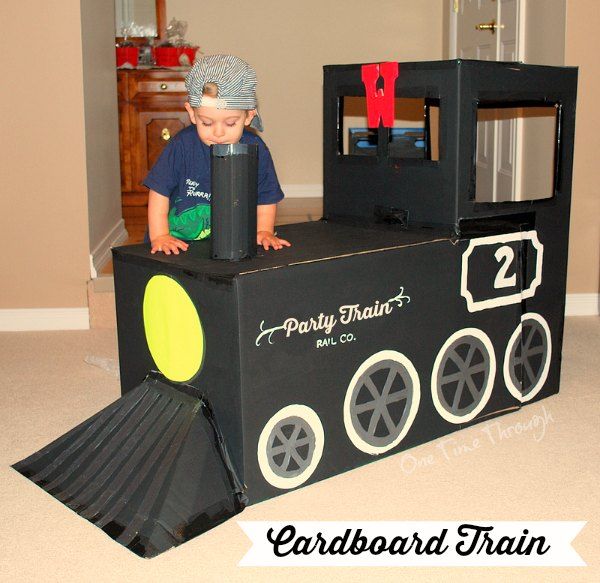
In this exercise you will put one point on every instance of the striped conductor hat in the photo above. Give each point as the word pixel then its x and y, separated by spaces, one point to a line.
pixel 235 81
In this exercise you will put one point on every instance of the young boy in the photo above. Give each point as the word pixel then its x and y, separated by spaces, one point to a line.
pixel 221 104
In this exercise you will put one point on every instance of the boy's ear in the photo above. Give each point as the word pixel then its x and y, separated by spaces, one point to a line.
pixel 191 112
pixel 249 116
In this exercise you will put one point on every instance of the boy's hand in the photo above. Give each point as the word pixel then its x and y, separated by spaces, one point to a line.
pixel 268 239
pixel 168 245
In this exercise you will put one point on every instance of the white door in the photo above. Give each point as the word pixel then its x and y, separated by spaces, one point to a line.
pixel 471 42
pixel 488 30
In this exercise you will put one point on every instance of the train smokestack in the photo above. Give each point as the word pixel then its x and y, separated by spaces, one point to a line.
pixel 234 177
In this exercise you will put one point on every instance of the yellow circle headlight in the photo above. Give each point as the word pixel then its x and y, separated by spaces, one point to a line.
pixel 173 329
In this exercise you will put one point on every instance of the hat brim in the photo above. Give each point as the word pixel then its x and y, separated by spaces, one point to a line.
pixel 256 122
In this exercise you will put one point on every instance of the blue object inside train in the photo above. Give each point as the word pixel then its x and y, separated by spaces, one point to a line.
pixel 404 142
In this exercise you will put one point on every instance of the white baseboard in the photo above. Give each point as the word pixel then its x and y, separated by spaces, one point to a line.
pixel 37 319
pixel 582 305
pixel 101 255
pixel 302 190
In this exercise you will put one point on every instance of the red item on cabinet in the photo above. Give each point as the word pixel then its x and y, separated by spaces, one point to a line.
pixel 127 55
pixel 170 56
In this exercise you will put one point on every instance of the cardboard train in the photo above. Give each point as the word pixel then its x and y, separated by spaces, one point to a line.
pixel 413 309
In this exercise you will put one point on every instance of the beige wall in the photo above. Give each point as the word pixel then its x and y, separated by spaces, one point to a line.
pixel 288 42
pixel 581 47
pixel 545 32
pixel 44 221
pixel 544 45
pixel 101 119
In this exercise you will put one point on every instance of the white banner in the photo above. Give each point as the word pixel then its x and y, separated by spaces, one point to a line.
pixel 416 544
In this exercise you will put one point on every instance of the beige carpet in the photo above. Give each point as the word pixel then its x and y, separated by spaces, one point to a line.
pixel 46 388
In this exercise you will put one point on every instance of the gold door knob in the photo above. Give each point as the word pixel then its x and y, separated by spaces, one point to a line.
pixel 491 26
pixel 164 86
pixel 165 134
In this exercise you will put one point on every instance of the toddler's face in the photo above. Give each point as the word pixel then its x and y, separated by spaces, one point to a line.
pixel 219 126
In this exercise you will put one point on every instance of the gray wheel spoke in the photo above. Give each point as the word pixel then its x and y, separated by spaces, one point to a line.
pixel 279 449
pixel 279 434
pixel 470 355
pixel 358 409
pixel 455 357
pixel 473 370
pixel 297 458
pixel 532 376
pixel 397 396
pixel 371 387
pixel 286 460
pixel 458 395
pixel 389 423
pixel 456 376
pixel 534 351
pixel 529 337
pixel 388 383
pixel 294 436
pixel 374 421
pixel 300 442
pixel 472 388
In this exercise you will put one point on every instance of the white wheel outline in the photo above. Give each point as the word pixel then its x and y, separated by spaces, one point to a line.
pixel 487 391
pixel 307 414
pixel 514 390
pixel 355 438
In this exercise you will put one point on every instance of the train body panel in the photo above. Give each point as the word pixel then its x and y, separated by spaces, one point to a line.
pixel 314 366
pixel 395 339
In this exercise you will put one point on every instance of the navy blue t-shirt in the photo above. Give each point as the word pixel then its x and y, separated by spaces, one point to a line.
pixel 182 172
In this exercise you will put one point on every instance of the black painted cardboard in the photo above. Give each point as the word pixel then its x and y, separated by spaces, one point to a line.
pixel 150 469
pixel 441 192
pixel 253 369
pixel 234 188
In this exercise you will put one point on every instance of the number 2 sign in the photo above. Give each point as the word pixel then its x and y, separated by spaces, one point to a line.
pixel 494 273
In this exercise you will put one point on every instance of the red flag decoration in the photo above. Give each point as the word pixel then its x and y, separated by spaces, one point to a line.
pixel 380 102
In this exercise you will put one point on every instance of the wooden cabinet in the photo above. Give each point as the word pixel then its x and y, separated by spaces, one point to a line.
pixel 151 112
